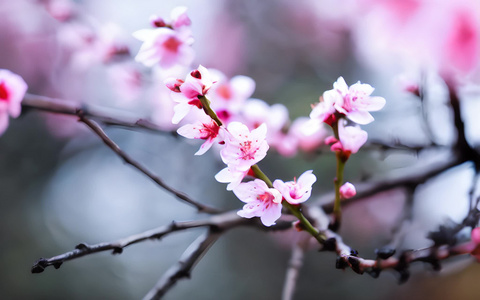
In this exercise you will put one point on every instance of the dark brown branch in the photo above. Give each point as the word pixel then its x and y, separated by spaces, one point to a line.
pixel 347 257
pixel 462 146
pixel 185 265
pixel 221 221
pixel 100 114
pixel 111 144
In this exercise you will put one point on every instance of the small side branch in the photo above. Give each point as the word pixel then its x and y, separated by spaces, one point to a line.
pixel 222 221
pixel 185 265
pixel 64 107
pixel 111 144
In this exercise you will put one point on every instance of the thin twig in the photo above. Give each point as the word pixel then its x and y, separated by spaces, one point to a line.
pixel 222 221
pixel 111 144
pixel 103 115
pixel 185 265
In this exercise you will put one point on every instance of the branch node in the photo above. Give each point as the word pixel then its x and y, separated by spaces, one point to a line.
pixel 39 266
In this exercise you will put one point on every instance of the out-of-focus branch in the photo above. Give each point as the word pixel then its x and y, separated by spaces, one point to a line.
pixel 398 146
pixel 100 114
pixel 185 265
pixel 111 144
pixel 220 222
pixel 462 146
pixel 294 266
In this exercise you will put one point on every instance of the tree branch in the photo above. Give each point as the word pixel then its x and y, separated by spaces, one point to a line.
pixel 126 158
pixel 185 265
pixel 101 114
pixel 294 266
pixel 221 221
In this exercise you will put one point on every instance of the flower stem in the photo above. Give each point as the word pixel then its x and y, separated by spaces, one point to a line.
pixel 209 111
pixel 294 209
pixel 337 210
pixel 338 181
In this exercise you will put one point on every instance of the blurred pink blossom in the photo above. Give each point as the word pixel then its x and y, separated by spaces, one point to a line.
pixel 12 91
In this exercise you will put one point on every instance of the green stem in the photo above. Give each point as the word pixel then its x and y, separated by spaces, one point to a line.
pixel 294 209
pixel 209 111
pixel 338 181
pixel 260 175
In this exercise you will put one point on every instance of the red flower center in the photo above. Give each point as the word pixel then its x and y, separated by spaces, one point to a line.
pixel 172 44
pixel 3 92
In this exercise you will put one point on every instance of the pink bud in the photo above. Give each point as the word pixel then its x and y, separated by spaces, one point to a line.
pixel 174 84
pixel 347 190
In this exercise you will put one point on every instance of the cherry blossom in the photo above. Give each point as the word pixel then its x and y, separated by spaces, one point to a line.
pixel 165 47
pixel 297 191
pixel 206 129
pixel 347 190
pixel 231 176
pixel 309 133
pixel 260 200
pixel 354 101
pixel 178 19
pixel 12 91
pixel 324 110
pixel 187 93
pixel 243 148
pixel 229 95
pixel 351 139
pixel 256 112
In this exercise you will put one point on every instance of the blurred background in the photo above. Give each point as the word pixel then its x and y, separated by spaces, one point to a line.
pixel 61 186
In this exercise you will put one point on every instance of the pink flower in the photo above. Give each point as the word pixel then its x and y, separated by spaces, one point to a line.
pixel 324 110
pixel 351 139
pixel 309 133
pixel 228 96
pixel 347 190
pixel 207 130
pixel 12 91
pixel 355 101
pixel 165 47
pixel 231 176
pixel 462 44
pixel 178 16
pixel 260 200
pixel 243 148
pixel 297 191
pixel 187 92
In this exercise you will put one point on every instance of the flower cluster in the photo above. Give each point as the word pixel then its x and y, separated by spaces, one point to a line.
pixel 341 103
pixel 245 128
pixel 338 107
pixel 242 147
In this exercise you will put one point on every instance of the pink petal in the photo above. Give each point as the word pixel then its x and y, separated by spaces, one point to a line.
pixel 361 117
